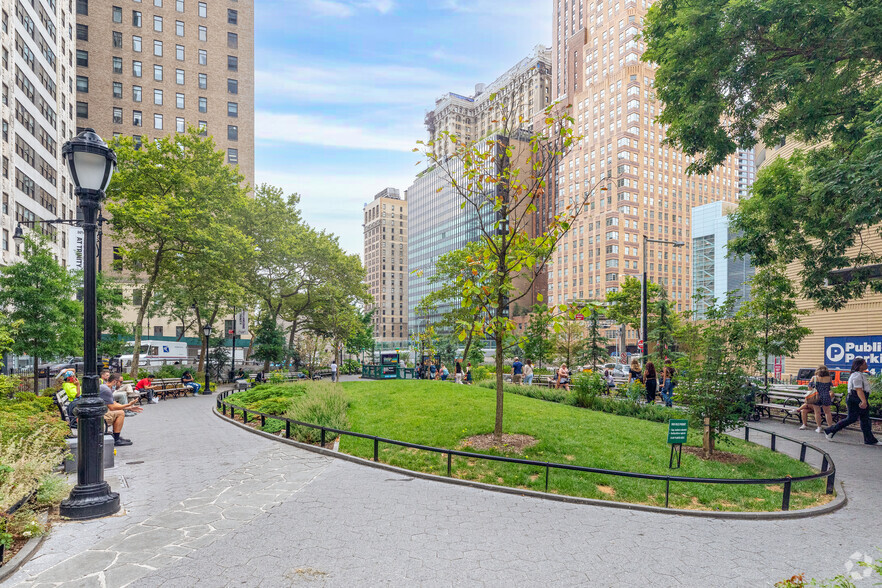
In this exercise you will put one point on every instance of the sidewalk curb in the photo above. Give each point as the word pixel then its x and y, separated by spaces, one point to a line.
pixel 838 502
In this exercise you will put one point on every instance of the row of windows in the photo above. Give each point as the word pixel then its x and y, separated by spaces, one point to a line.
pixel 201 10
pixel 232 111
pixel 83 86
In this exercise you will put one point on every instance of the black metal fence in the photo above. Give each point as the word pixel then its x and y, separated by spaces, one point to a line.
pixel 828 469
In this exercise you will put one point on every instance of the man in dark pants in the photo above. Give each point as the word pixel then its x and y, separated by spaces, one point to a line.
pixel 858 403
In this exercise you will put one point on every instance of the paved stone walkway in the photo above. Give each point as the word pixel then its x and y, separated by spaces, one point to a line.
pixel 208 504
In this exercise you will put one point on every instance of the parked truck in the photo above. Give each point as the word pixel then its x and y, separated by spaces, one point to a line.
pixel 157 353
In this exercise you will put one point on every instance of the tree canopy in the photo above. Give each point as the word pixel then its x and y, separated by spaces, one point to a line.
pixel 732 73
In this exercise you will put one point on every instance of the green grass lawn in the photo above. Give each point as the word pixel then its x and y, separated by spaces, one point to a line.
pixel 443 414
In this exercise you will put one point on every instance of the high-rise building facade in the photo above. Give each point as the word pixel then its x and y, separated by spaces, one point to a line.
pixel 597 69
pixel 522 91
pixel 36 72
pixel 385 262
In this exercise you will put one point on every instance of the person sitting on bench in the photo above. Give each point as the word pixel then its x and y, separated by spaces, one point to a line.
pixel 146 386
pixel 188 381
pixel 115 415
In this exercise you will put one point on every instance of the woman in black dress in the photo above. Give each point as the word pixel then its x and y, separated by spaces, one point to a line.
pixel 650 380
pixel 634 374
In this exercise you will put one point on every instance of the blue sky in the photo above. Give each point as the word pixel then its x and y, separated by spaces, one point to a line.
pixel 341 88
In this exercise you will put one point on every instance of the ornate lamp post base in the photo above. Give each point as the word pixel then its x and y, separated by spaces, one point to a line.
pixel 90 501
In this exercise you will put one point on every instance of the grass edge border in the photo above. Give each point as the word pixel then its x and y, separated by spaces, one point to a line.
pixel 838 502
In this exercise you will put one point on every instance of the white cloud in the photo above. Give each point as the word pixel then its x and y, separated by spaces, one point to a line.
pixel 326 131
pixel 335 202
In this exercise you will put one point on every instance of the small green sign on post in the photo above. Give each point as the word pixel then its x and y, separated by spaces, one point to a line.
pixel 678 429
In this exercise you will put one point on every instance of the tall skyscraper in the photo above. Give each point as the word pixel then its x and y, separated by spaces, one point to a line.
pixel 385 262
pixel 152 68
pixel 37 48
pixel 597 69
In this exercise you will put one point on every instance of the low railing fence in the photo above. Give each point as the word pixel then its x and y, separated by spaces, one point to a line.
pixel 828 469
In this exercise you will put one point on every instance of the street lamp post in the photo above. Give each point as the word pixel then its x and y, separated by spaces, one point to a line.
pixel 91 164
pixel 644 306
pixel 206 330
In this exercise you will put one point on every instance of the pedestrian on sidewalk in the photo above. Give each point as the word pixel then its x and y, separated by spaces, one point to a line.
pixel 517 371
pixel 650 380
pixel 458 371
pixel 333 370
pixel 528 372
pixel 858 403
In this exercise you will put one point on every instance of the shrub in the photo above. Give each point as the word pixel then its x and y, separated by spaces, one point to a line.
pixel 586 387
pixel 481 372
pixel 27 461
pixel 323 404
pixel 634 391
pixel 277 377
pixel 53 489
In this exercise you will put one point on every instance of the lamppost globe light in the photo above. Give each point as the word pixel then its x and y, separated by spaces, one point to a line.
pixel 90 160
pixel 206 330
pixel 18 235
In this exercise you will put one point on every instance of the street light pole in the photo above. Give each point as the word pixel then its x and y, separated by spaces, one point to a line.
pixel 91 164
pixel 206 330
pixel 644 305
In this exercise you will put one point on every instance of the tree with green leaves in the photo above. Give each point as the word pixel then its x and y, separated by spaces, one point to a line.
pixel 177 209
pixel 733 73
pixel 363 337
pixel 664 327
pixel 569 340
pixel 39 297
pixel 595 343
pixel 109 313
pixel 538 343
pixel 269 342
pixel 624 305
pixel 774 315
pixel 713 377
pixel 500 181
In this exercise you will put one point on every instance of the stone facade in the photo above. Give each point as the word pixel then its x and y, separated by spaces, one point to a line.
pixel 385 261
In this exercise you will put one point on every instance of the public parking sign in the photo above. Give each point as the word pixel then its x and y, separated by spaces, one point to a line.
pixel 677 431
pixel 839 352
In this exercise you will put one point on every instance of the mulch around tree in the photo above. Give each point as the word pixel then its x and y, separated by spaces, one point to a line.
pixel 510 443
pixel 717 455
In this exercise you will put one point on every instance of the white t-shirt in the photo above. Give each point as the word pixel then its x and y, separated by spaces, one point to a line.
pixel 859 380
pixel 334 367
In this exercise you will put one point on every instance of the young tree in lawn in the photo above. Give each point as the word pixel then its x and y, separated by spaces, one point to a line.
pixel 624 306
pixel 501 180
pixel 539 341
pixel 570 340
pixel 269 342
pixel 39 297
pixel 363 337
pixel 713 378
pixel 595 351
pixel 176 209
pixel 664 326
pixel 775 316
pixel 731 74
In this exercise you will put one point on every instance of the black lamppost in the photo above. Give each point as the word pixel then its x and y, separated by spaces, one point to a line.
pixel 91 164
pixel 206 330
pixel 644 305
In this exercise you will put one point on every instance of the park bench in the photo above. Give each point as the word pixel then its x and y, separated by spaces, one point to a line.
pixel 63 403
pixel 787 400
pixel 163 388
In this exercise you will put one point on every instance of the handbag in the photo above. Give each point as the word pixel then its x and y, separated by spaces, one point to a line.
pixel 812 398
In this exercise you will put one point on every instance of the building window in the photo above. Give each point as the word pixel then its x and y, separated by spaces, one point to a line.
pixel 157 97
pixel 232 16
pixel 136 298
pixel 203 128
pixel 137 119
pixel 82 58
pixel 203 33
pixel 232 40
pixel 179 100
pixel 203 10
pixel 179 28
pixel 136 43
pixel 83 7
pixel 232 86
pixel 203 104
pixel 232 63
pixel 179 77
pixel 157 48
pixel 232 156
pixel 136 93
pixel 179 5
pixel 232 133
pixel 136 18
pixel 136 69
pixel 233 109
pixel 117 89
pixel 116 13
pixel 157 3
pixel 117 40
pixel 157 24
pixel 180 125
pixel 82 84
pixel 157 121
pixel 203 57
pixel 117 65
pixel 203 81
pixel 82 110
pixel 179 52
pixel 82 32
pixel 157 73
pixel 117 116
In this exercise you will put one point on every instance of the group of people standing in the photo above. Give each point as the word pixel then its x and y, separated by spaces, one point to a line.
pixel 430 371
pixel 654 385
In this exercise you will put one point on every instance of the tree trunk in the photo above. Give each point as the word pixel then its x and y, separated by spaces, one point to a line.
pixel 37 375
pixel 145 301
pixel 707 444
pixel 497 430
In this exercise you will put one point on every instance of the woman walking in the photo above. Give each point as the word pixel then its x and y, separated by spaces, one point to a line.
pixel 563 377
pixel 667 391
pixel 650 380
pixel 528 372
pixel 858 403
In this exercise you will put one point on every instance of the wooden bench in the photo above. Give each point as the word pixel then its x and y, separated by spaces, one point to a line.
pixel 787 399
pixel 63 404
pixel 163 388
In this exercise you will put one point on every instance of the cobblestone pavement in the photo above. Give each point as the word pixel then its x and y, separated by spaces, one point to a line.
pixel 208 504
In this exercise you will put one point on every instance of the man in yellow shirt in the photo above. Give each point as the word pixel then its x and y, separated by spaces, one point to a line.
pixel 71 386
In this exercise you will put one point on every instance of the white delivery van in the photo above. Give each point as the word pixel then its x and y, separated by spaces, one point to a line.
pixel 157 353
